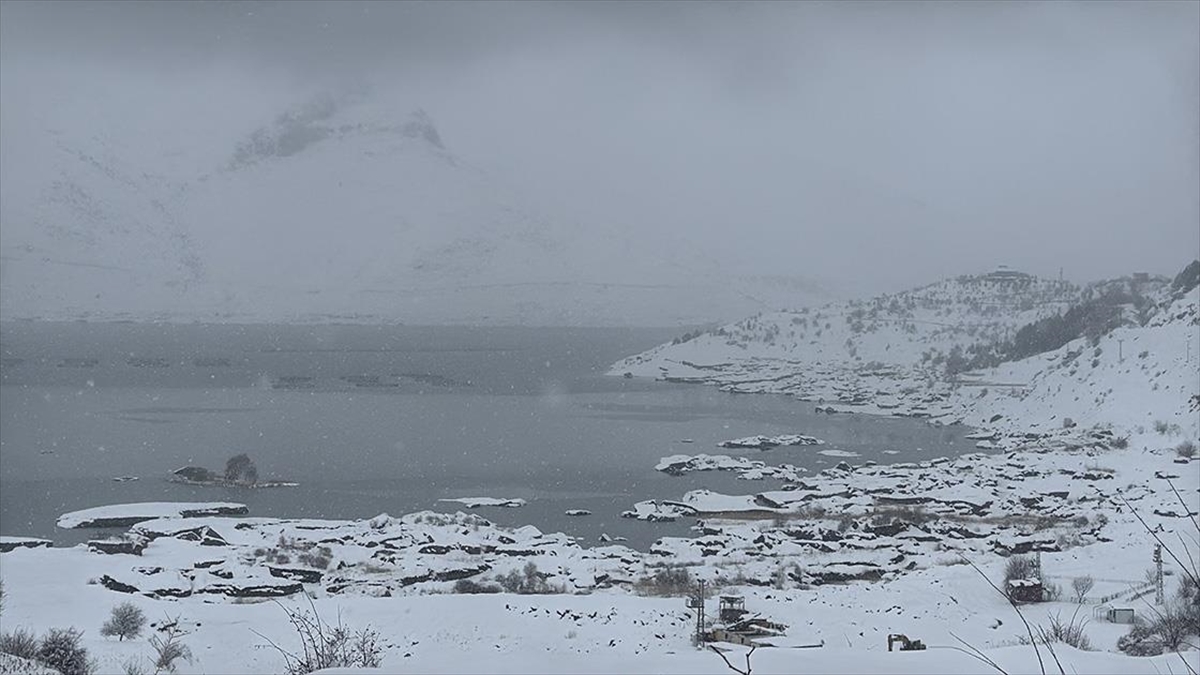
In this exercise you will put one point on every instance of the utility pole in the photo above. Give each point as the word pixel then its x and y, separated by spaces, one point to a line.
pixel 696 602
pixel 1158 575
pixel 1121 349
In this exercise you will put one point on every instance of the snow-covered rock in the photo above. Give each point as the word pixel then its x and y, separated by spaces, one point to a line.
pixel 124 515
pixel 761 442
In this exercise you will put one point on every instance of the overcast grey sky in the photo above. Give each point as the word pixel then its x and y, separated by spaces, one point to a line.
pixel 895 142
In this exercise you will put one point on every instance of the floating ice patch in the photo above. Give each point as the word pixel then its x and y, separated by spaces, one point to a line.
pixel 124 515
pixel 476 502
pixel 839 453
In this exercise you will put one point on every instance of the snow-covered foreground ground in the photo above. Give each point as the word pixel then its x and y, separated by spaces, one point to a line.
pixel 605 631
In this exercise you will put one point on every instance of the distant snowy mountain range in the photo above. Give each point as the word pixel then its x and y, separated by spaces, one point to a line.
pixel 340 209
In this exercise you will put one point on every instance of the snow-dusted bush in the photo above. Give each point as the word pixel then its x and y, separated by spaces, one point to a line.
pixel 61 650
pixel 1186 449
pixel 126 621
pixel 673 580
pixel 529 581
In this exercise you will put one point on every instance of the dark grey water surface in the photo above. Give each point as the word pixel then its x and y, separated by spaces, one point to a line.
pixel 373 419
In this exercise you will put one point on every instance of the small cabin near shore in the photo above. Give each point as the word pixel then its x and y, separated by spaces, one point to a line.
pixel 1025 590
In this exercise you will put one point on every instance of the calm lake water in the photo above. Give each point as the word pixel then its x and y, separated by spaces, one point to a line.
pixel 384 419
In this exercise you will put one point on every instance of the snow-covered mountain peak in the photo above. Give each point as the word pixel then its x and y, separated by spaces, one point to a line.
pixel 327 118
pixel 344 207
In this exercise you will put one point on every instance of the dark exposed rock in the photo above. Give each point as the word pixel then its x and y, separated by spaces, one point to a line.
pixel 886 530
pixel 300 574
pixel 117 546
pixel 1026 546
pixel 205 535
pixel 1173 514
pixel 114 585
pixel 435 549
pixel 827 576
pixel 12 545
pixel 256 591
pixel 461 573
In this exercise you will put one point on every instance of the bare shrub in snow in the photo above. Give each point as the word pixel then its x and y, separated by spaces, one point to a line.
pixel 529 581
pixel 1067 632
pixel 126 621
pixel 61 650
pixel 1186 449
pixel 1020 567
pixel 673 580
pixel 319 559
pixel 133 667
pixel 1166 429
pixel 169 649
pixel 325 645
pixel 1081 586
pixel 1171 628
pixel 20 643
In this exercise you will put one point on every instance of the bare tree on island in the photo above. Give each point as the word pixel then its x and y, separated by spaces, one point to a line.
pixel 241 469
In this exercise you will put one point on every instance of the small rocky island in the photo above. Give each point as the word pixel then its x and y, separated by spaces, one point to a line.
pixel 240 471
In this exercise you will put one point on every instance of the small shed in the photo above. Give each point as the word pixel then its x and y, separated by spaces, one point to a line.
pixel 1025 590
pixel 1123 615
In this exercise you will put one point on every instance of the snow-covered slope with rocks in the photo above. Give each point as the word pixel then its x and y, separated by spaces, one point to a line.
pixel 889 355
pixel 894 329
pixel 1143 380
pixel 339 209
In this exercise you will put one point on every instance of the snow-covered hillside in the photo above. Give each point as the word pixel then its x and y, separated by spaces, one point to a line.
pixel 894 329
pixel 340 209
pixel 1143 380
pixel 889 355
